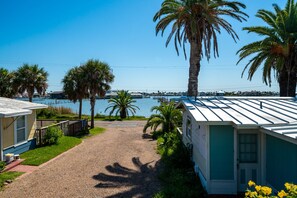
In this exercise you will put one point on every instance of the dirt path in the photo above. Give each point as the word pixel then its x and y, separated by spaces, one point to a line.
pixel 117 163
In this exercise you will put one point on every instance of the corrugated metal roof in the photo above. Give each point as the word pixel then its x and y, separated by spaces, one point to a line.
pixel 11 107
pixel 282 130
pixel 242 111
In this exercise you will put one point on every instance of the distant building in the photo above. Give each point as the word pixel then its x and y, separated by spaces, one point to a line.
pixel 57 95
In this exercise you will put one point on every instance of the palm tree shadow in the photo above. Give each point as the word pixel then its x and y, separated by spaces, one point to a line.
pixel 142 182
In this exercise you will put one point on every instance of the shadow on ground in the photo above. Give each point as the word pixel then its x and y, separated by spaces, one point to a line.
pixel 142 182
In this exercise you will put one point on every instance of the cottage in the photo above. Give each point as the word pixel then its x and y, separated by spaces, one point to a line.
pixel 17 125
pixel 237 139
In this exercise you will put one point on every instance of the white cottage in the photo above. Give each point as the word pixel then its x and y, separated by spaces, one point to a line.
pixel 237 139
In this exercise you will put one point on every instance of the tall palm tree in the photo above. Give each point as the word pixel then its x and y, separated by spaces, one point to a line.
pixel 122 104
pixel 6 86
pixel 197 22
pixel 97 75
pixel 74 87
pixel 277 50
pixel 165 115
pixel 30 78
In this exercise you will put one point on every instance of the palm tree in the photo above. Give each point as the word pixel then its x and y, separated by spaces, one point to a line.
pixel 97 76
pixel 6 86
pixel 277 50
pixel 30 78
pixel 122 104
pixel 197 22
pixel 166 115
pixel 74 87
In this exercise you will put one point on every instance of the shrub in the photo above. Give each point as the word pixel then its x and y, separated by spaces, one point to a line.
pixel 53 112
pixel 173 151
pixel 52 135
pixel 2 165
pixel 178 175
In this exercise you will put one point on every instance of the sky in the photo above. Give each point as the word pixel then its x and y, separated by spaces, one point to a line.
pixel 60 34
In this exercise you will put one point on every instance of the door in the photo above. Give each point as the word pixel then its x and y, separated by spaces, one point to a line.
pixel 248 161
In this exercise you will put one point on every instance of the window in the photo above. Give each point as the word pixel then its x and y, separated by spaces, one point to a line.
pixel 20 129
pixel 189 128
pixel 248 147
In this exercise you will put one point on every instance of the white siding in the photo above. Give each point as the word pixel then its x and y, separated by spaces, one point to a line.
pixel 199 146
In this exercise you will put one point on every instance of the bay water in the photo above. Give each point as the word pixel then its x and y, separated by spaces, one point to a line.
pixel 144 104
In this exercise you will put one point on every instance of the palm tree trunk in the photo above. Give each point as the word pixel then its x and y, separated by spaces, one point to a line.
pixel 92 101
pixel 123 114
pixel 195 58
pixel 283 82
pixel 292 84
pixel 80 108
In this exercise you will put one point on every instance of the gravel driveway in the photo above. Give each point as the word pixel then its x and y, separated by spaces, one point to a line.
pixel 117 163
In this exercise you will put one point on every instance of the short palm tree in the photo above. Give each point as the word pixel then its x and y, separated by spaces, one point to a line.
pixel 122 104
pixel 30 78
pixel 74 87
pixel 277 50
pixel 6 86
pixel 97 76
pixel 165 115
pixel 197 22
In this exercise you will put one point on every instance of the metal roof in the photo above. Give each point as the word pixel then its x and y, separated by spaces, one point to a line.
pixel 284 131
pixel 11 107
pixel 243 111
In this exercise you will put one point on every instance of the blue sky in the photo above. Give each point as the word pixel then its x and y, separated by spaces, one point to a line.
pixel 60 34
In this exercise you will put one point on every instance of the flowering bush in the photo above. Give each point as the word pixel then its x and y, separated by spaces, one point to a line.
pixel 257 191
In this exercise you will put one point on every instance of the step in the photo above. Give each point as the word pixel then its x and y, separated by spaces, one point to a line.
pixel 13 164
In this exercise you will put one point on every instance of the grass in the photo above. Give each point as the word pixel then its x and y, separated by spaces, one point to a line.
pixel 41 155
pixel 8 176
pixel 91 132
pixel 96 131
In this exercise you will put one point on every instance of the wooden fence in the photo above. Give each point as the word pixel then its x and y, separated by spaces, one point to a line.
pixel 69 128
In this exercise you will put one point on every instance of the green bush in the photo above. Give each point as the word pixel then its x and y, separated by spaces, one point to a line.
pixel 2 165
pixel 173 151
pixel 178 175
pixel 52 135
pixel 47 113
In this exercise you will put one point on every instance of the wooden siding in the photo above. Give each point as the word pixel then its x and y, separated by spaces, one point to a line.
pixel 31 124
pixel 8 132
pixel 8 129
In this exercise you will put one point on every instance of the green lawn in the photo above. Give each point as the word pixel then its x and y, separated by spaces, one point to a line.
pixel 41 155
pixel 96 131
pixel 8 176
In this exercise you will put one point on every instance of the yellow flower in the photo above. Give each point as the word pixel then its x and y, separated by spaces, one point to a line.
pixel 258 188
pixel 254 194
pixel 282 194
pixel 251 183
pixel 247 194
pixel 266 190
pixel 288 186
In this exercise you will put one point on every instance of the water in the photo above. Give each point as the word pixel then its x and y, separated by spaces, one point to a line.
pixel 144 104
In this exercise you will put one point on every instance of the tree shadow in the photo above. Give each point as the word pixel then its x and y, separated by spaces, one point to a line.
pixel 142 182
